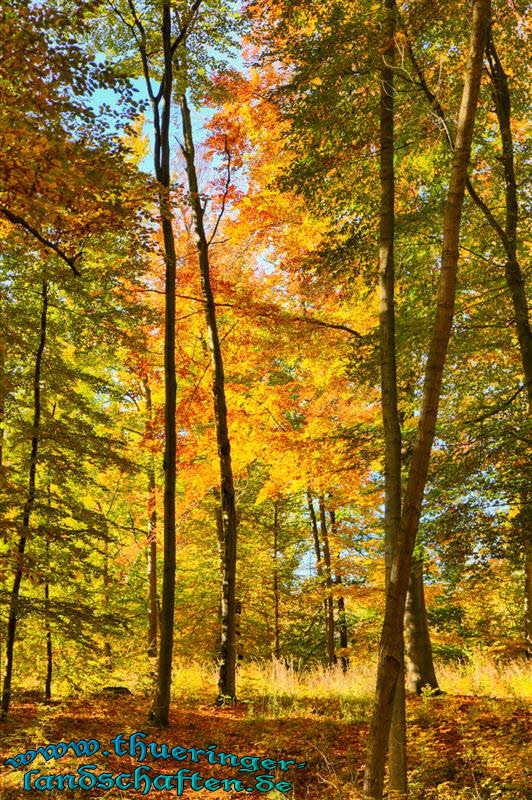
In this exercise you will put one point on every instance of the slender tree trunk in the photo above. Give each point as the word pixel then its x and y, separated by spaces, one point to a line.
pixel 524 523
pixel 397 766
pixel 227 677
pixel 48 631
pixel 28 508
pixel 319 563
pixel 528 598
pixel 47 628
pixel 419 662
pixel 107 649
pixel 161 702
pixel 276 635
pixel 3 388
pixel 390 651
pixel 328 584
pixel 342 619
pixel 151 544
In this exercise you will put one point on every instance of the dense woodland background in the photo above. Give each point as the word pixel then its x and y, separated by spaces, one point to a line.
pixel 232 337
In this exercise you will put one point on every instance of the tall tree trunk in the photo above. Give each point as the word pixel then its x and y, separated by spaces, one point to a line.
pixel 397 766
pixel 342 619
pixel 161 119
pixel 528 597
pixel 48 631
pixel 47 628
pixel 319 563
pixel 28 508
pixel 276 635
pixel 3 387
pixel 419 662
pixel 227 677
pixel 151 544
pixel 391 648
pixel 506 233
pixel 524 523
pixel 328 584
pixel 107 649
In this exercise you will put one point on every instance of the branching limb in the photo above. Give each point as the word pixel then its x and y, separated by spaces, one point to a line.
pixel 497 410
pixel 16 220
pixel 225 194
pixel 185 26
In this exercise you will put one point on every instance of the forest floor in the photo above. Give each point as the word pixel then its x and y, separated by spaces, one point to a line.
pixel 461 745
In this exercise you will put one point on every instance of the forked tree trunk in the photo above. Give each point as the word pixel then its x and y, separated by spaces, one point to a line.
pixel 328 585
pixel 319 562
pixel 227 676
pixel 151 544
pixel 390 651
pixel 18 554
pixel 420 671
pixel 388 369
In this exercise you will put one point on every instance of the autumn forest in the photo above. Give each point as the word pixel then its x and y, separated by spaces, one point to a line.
pixel 266 395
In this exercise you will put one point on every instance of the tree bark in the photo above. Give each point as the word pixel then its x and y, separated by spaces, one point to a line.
pixel 397 766
pixel 276 634
pixel 28 508
pixel 328 584
pixel 342 619
pixel 419 662
pixel 107 649
pixel 161 119
pixel 528 598
pixel 319 563
pixel 390 651
pixel 47 628
pixel 227 676
pixel 3 388
pixel 48 632
pixel 151 544
pixel 524 531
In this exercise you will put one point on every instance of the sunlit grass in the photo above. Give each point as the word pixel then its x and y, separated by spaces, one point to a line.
pixel 484 677
pixel 273 687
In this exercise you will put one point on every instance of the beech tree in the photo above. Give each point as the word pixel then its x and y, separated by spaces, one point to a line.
pixel 390 651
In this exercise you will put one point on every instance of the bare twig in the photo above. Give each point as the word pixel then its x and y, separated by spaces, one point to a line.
pixel 226 192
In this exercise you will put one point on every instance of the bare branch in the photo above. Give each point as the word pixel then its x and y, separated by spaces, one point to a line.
pixel 226 192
